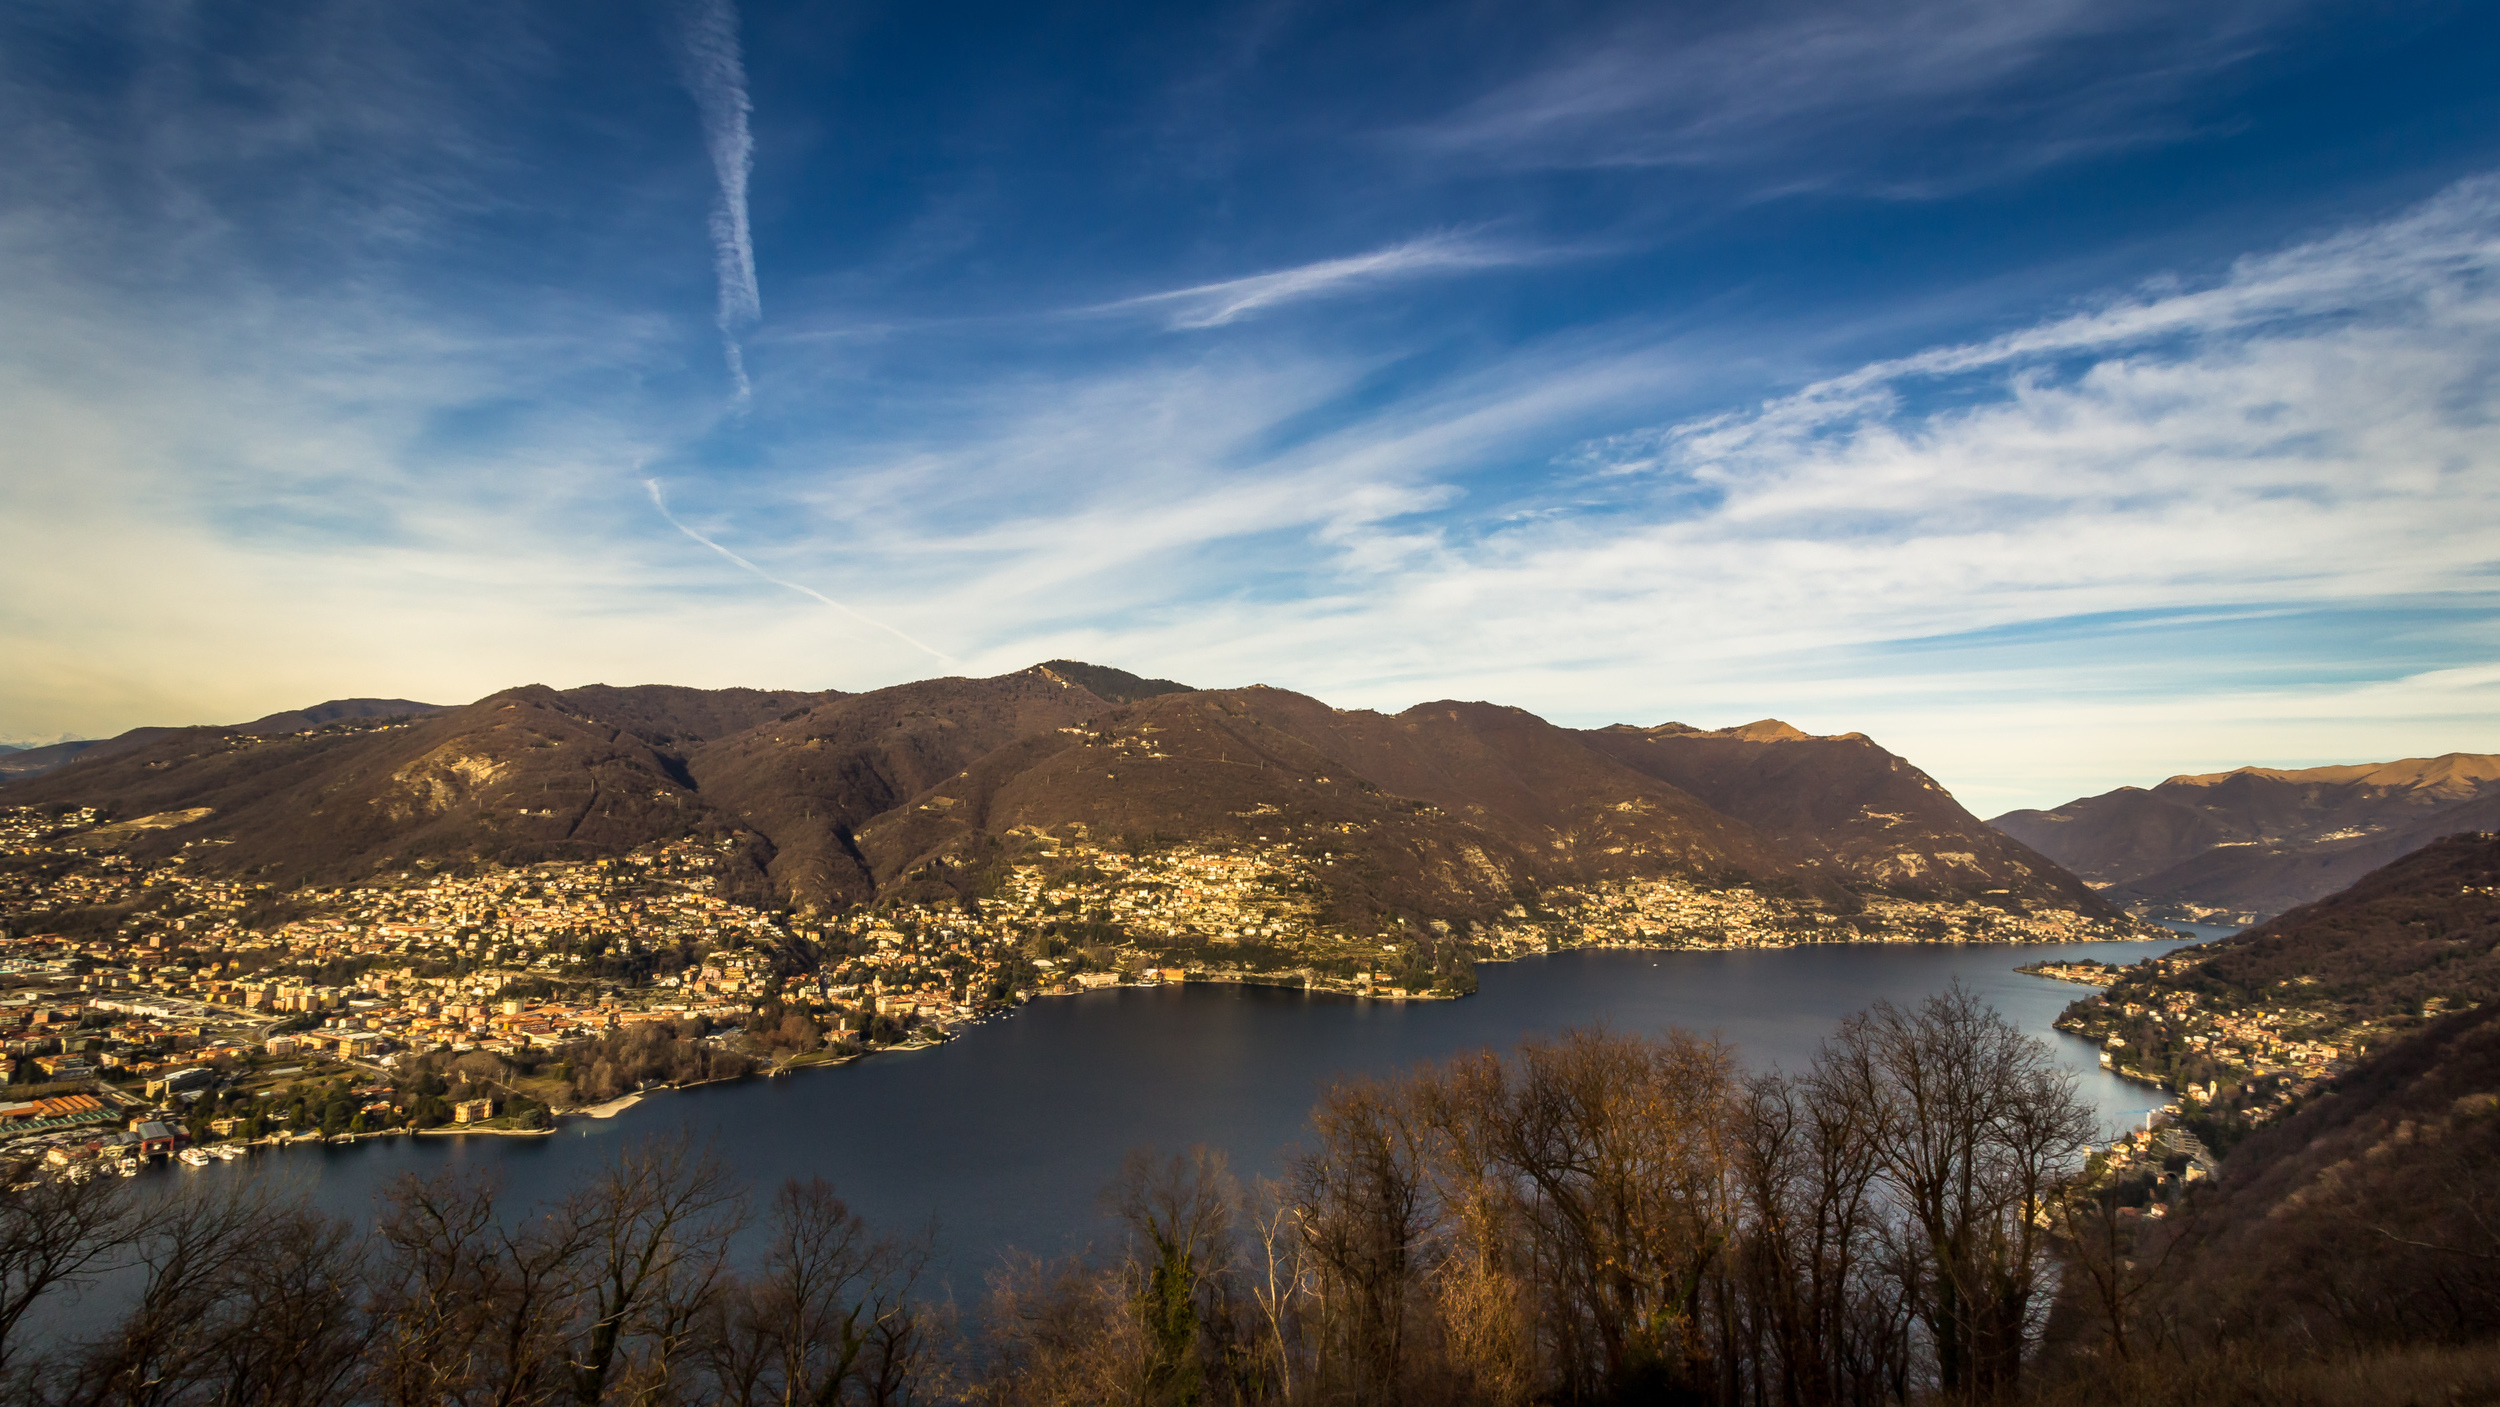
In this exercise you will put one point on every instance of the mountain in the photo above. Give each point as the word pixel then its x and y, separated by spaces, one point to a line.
pixel 1447 809
pixel 821 800
pixel 2425 928
pixel 520 775
pixel 811 780
pixel 2257 841
pixel 1847 806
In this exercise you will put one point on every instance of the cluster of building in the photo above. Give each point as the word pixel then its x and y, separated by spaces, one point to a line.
pixel 1678 914
pixel 118 975
pixel 2150 1166
pixel 2256 1061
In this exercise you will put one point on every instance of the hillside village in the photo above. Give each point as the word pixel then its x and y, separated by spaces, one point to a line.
pixel 213 1010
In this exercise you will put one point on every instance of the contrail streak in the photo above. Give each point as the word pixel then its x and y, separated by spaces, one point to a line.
pixel 709 64
pixel 660 502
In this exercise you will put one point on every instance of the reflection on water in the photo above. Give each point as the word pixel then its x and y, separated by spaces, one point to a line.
pixel 1006 1135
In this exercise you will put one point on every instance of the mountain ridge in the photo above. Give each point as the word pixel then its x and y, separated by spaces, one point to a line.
pixel 825 800
pixel 2256 841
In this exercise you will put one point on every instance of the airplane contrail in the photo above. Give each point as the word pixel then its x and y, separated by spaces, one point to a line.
pixel 715 75
pixel 659 501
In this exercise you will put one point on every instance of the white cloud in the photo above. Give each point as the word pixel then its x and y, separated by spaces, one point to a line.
pixel 1216 304
pixel 710 65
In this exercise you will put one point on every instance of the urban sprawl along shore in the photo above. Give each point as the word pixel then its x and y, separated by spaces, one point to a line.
pixel 155 1009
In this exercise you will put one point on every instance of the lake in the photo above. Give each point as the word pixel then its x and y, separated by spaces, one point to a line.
pixel 1006 1135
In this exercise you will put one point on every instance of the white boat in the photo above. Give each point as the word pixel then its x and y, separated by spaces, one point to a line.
pixel 196 1157
pixel 127 1167
pixel 225 1152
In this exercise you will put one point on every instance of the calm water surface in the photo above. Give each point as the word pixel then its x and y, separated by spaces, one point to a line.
pixel 1006 1135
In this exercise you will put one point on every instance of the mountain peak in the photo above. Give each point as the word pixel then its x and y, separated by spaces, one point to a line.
pixel 1761 730
pixel 1111 685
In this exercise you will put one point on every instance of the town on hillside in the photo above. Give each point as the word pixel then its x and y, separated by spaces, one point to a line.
pixel 154 1009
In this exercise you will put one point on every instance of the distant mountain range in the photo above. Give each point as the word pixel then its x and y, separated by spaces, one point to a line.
pixel 16 764
pixel 1446 810
pixel 2245 845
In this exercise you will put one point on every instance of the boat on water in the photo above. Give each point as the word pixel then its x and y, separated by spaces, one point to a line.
pixel 225 1152
pixel 195 1157
pixel 127 1167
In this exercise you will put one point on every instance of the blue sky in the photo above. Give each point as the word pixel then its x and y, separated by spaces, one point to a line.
pixel 2068 394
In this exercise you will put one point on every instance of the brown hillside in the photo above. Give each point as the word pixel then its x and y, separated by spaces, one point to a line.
pixel 521 775
pixel 1848 806
pixel 2366 1218
pixel 1455 810
pixel 808 781
pixel 2259 840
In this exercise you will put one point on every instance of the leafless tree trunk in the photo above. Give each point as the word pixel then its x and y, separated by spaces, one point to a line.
pixel 469 1310
pixel 656 1223
pixel 830 1319
pixel 1975 1129
pixel 1364 1219
pixel 54 1234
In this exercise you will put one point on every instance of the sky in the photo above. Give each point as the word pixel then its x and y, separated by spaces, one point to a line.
pixel 2066 394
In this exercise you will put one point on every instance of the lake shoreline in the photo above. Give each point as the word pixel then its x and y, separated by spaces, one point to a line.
pixel 618 1106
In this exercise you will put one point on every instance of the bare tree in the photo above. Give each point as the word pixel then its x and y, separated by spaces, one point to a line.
pixel 164 1346
pixel 1180 1210
pixel 830 1319
pixel 1975 1130
pixel 1365 1216
pixel 1061 1334
pixel 1815 1328
pixel 656 1223
pixel 56 1233
pixel 469 1310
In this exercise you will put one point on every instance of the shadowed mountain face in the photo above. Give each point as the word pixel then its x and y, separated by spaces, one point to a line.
pixel 1847 807
pixel 2258 841
pixel 1446 810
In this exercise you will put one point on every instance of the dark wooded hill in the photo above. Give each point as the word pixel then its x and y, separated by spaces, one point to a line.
pixel 2366 1218
pixel 1448 809
pixel 2257 841
pixel 2424 927
pixel 1845 805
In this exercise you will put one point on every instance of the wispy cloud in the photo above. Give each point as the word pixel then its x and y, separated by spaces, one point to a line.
pixel 710 65
pixel 1800 94
pixel 660 502
pixel 1216 304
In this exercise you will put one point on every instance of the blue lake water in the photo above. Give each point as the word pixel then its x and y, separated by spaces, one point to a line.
pixel 1005 1136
